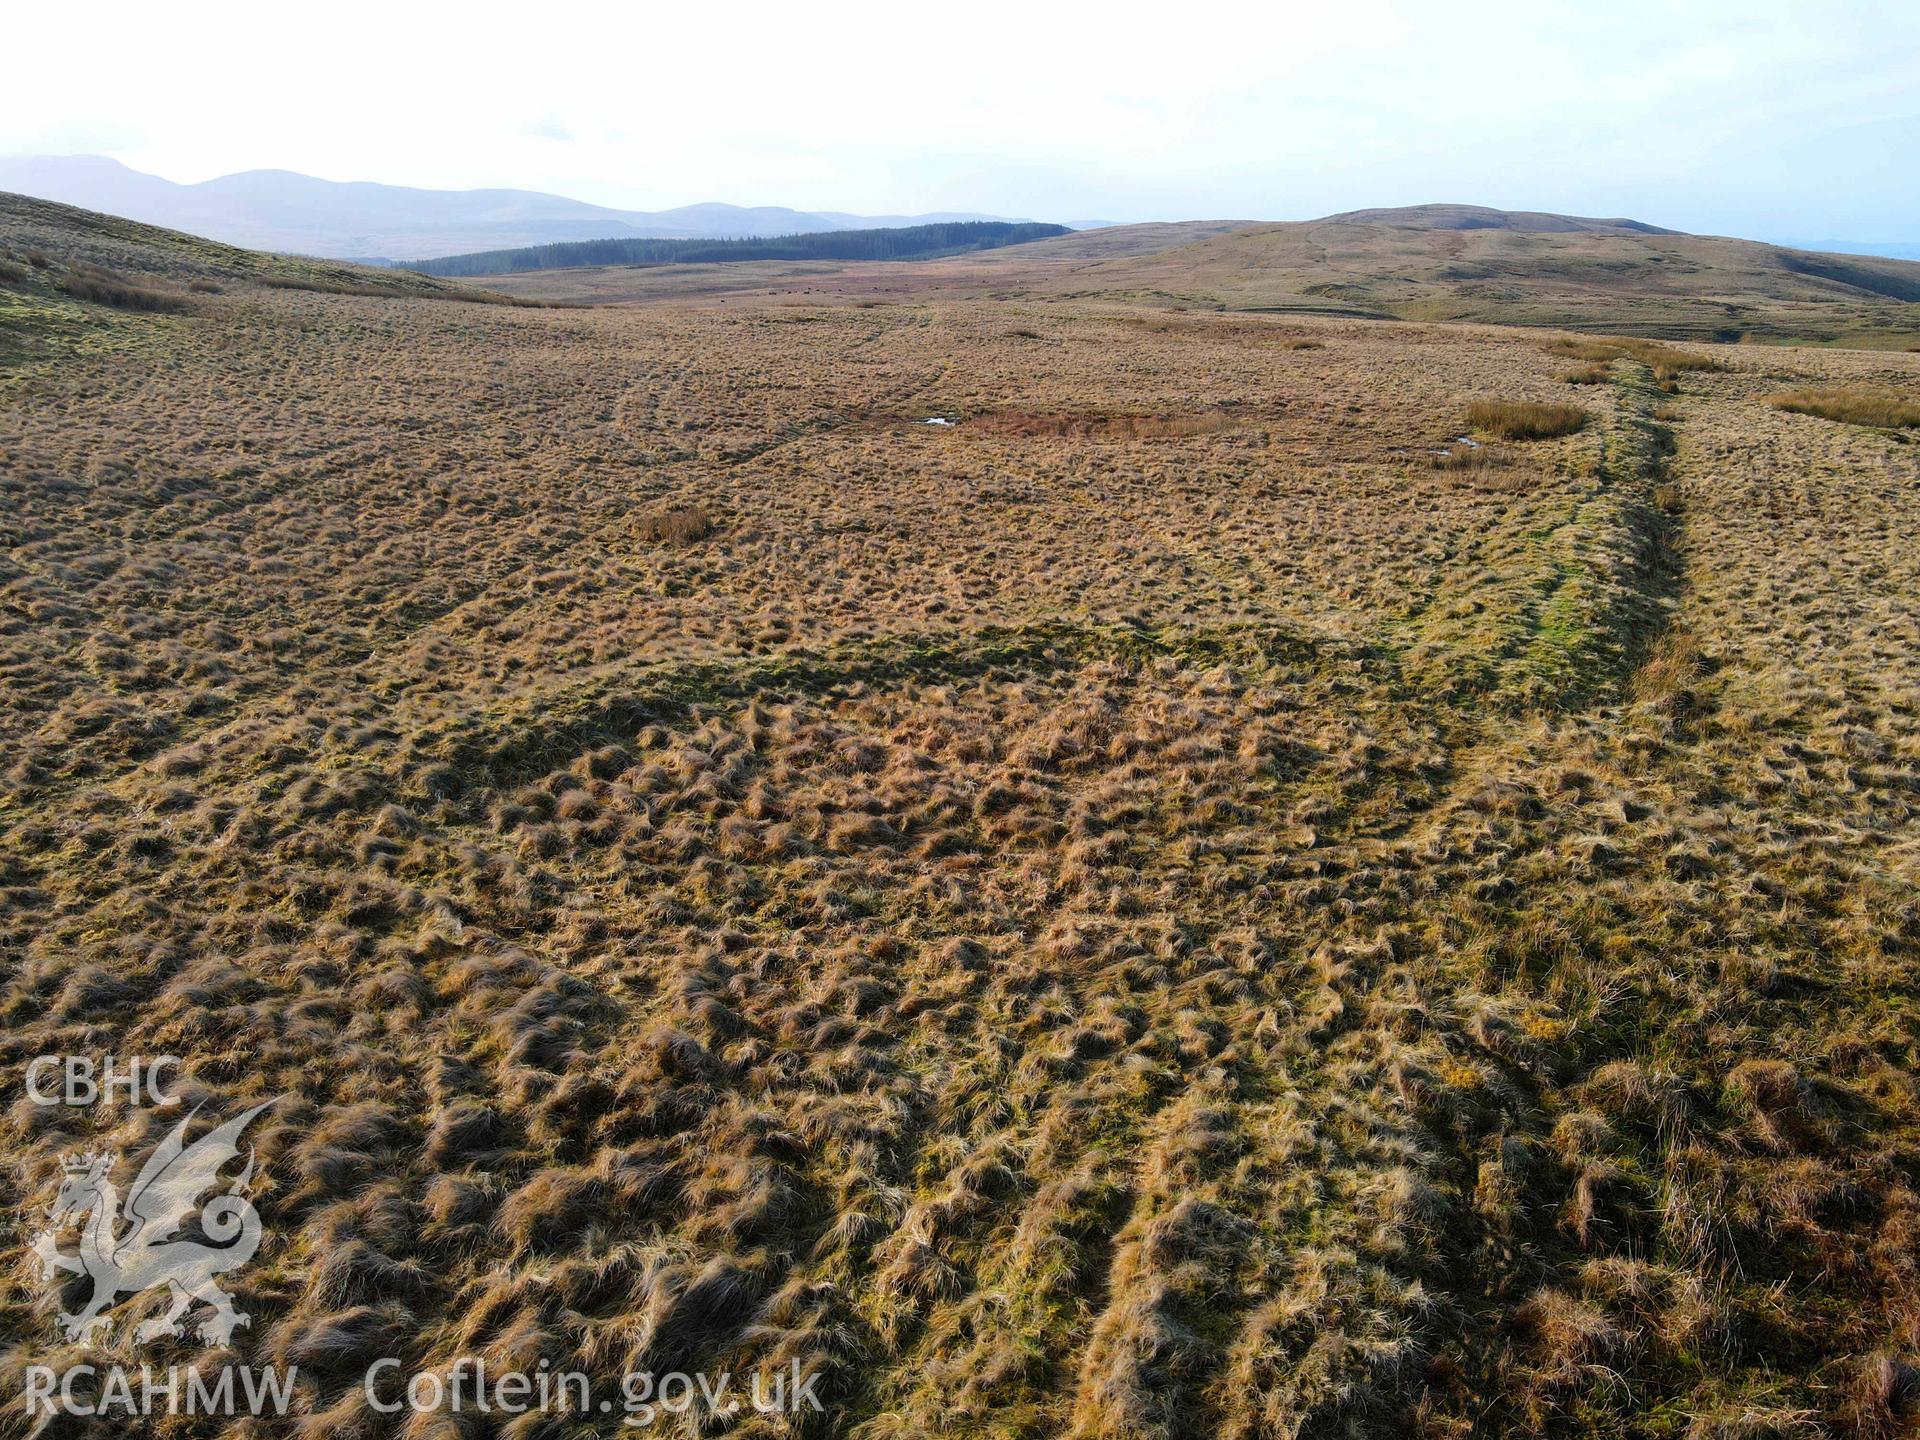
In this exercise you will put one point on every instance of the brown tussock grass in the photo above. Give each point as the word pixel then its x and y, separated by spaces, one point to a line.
pixel 100 286
pixel 1666 362
pixel 674 525
pixel 1594 374
pixel 1471 459
pixel 472 294
pixel 1066 426
pixel 1852 405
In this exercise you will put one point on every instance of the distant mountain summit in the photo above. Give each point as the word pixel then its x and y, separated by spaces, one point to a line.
pixel 1480 217
pixel 298 214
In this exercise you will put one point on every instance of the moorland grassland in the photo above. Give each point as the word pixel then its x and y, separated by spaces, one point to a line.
pixel 1188 901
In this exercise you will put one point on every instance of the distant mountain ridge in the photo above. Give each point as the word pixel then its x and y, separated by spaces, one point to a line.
pixel 282 210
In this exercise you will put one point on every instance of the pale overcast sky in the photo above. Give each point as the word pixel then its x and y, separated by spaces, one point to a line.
pixel 1755 118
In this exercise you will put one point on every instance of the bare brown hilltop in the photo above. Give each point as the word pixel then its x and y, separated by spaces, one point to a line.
pixel 1444 263
pixel 1482 217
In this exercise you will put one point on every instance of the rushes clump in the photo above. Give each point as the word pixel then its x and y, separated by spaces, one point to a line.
pixel 1524 419
pixel 1852 405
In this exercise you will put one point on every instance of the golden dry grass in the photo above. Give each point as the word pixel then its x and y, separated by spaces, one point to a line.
pixel 1075 928
pixel 1069 426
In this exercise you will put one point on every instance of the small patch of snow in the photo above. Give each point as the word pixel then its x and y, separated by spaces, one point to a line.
pixel 936 420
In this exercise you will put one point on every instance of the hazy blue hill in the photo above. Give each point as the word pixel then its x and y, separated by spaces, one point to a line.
pixel 287 211
pixel 1884 249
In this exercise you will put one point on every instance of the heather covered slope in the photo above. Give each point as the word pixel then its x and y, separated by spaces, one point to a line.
pixel 1185 902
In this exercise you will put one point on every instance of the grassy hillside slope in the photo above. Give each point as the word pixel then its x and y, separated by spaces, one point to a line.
pixel 72 280
pixel 1598 279
pixel 1424 263
pixel 69 235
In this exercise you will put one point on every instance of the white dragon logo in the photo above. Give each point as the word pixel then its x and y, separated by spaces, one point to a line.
pixel 151 1251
